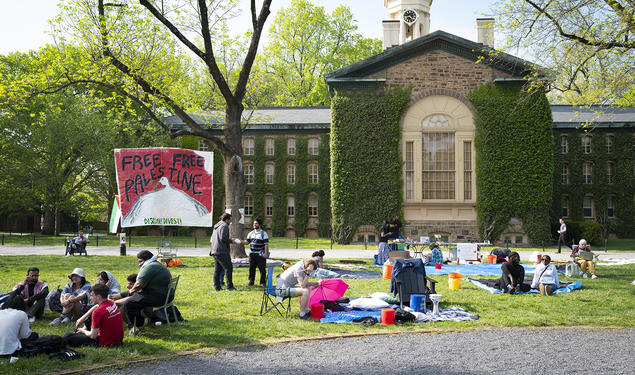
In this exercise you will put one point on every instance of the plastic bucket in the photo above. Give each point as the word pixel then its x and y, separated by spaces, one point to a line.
pixel 491 259
pixel 387 271
pixel 454 280
pixel 437 266
pixel 317 311
pixel 387 316
pixel 418 302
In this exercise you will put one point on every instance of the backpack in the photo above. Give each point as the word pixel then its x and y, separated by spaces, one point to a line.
pixel 53 300
pixel 159 316
pixel 45 344
pixel 403 316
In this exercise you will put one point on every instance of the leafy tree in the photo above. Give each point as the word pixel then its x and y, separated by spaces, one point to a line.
pixel 589 45
pixel 142 51
pixel 305 44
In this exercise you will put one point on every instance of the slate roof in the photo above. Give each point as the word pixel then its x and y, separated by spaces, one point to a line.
pixel 568 116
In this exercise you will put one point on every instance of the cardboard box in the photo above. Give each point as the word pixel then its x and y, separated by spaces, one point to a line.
pixel 392 255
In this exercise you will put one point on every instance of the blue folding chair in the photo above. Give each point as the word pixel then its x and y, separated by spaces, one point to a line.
pixel 270 298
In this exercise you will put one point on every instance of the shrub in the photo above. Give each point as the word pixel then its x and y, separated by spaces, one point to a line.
pixel 589 230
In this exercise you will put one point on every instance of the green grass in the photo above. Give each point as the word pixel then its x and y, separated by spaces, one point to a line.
pixel 221 319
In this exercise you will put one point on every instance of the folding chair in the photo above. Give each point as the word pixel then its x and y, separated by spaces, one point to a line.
pixel 410 280
pixel 270 298
pixel 169 302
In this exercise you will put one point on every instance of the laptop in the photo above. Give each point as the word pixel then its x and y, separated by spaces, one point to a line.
pixel 586 255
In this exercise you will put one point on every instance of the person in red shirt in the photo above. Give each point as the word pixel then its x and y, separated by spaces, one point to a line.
pixel 106 322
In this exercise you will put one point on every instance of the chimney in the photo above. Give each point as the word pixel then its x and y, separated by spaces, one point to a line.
pixel 485 31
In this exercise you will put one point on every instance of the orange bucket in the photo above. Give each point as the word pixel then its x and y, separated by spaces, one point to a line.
pixel 387 271
pixel 387 316
pixel 491 259
pixel 454 280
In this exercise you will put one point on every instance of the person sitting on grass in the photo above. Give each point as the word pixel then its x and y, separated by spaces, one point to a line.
pixel 436 257
pixel 299 273
pixel 108 279
pixel 102 325
pixel 119 298
pixel 150 289
pixel 34 293
pixel 513 275
pixel 584 264
pixel 74 298
pixel 545 277
pixel 14 325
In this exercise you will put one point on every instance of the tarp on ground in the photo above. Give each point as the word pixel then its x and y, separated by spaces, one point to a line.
pixel 565 289
pixel 475 269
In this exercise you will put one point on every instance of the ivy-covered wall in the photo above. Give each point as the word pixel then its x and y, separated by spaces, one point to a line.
pixel 621 191
pixel 366 184
pixel 514 160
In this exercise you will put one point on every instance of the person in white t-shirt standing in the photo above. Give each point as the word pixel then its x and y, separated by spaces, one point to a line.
pixel 562 235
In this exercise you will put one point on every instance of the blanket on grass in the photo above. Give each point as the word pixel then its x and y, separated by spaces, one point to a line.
pixel 491 285
pixel 475 269
pixel 339 273
pixel 455 314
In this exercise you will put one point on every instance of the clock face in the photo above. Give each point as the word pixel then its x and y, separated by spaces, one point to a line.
pixel 409 16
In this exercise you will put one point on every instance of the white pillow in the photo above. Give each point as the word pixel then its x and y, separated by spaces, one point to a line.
pixel 368 303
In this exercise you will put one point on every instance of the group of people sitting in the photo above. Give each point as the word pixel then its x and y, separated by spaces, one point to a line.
pixel 97 309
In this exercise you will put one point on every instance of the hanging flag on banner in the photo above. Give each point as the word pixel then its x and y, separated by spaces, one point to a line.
pixel 115 216
pixel 164 186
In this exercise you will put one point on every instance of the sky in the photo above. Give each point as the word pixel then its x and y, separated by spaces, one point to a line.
pixel 24 23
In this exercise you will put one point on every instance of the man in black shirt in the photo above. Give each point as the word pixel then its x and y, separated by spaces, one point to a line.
pixel 513 275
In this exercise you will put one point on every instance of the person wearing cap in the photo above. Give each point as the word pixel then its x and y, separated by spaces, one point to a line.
pixel 75 297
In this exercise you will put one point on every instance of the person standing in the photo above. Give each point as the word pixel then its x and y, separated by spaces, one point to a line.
pixel 220 251
pixel 393 228
pixel 259 252
pixel 384 233
pixel 34 293
pixel 562 235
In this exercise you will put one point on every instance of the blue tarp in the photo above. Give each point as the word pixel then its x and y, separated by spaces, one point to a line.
pixel 475 269
pixel 569 288
pixel 349 316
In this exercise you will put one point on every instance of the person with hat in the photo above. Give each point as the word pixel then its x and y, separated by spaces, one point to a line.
pixel 75 297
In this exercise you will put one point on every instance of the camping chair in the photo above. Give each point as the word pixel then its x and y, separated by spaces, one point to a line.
pixel 408 280
pixel 270 298
pixel 169 302
pixel 81 248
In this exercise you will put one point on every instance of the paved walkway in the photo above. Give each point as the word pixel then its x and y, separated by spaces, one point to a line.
pixel 275 253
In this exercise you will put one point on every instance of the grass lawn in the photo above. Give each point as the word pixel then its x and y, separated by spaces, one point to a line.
pixel 221 319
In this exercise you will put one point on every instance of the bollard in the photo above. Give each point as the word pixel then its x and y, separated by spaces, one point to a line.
pixel 130 241
pixel 2 239
pixel 34 240
pixel 195 242
pixel 96 240
pixel 296 242
pixel 365 244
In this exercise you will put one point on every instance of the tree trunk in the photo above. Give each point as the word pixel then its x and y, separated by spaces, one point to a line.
pixel 49 222
pixel 57 222
pixel 233 175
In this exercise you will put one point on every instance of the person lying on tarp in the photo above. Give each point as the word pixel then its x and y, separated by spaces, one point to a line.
pixel 545 277
pixel 513 275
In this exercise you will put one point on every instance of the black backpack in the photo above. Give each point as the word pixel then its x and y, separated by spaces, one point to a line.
pixel 45 344
pixel 402 316
pixel 53 300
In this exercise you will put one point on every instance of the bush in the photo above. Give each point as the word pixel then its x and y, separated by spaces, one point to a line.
pixel 590 231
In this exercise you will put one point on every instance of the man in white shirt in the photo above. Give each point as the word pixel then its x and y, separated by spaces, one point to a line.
pixel 299 273
pixel 562 235
pixel 14 325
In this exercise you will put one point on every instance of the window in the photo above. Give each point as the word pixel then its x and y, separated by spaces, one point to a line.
pixel 248 203
pixel 438 165
pixel 290 206
pixel 587 169
pixel 248 146
pixel 268 205
pixel 248 170
pixel 313 146
pixel 609 172
pixel 291 146
pixel 586 144
pixel 313 173
pixel 610 211
pixel 609 143
pixel 269 174
pixel 565 173
pixel 410 170
pixel 518 239
pixel 587 207
pixel 564 144
pixel 565 207
pixel 313 206
pixel 291 174
pixel 269 148
pixel 467 170
pixel 202 145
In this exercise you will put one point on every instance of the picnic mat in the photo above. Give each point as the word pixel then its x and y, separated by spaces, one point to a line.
pixel 491 286
pixel 474 269
pixel 453 313
pixel 339 273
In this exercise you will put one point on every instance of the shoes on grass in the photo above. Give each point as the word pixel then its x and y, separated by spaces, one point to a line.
pixel 585 275
pixel 58 320
pixel 32 319
pixel 593 276
pixel 305 316
pixel 133 331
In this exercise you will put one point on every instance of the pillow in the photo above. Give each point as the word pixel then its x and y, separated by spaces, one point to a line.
pixel 368 303
pixel 386 297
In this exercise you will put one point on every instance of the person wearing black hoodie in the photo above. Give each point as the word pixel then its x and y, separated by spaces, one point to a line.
pixel 220 251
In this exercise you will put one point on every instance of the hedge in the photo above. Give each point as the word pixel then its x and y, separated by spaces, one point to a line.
pixel 366 185
pixel 514 160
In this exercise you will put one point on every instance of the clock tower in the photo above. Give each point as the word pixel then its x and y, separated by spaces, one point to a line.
pixel 407 20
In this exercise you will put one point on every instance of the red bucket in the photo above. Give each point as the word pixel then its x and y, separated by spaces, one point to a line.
pixel 437 266
pixel 387 316
pixel 317 311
